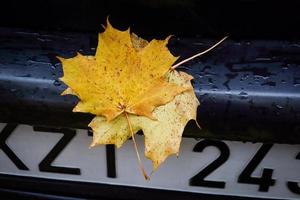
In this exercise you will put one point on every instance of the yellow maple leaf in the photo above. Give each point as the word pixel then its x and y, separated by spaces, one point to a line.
pixel 122 77
pixel 135 77
pixel 162 136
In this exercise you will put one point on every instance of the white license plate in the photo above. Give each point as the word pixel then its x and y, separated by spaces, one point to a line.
pixel 203 166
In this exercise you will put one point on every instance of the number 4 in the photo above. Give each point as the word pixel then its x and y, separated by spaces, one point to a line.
pixel 265 181
pixel 294 186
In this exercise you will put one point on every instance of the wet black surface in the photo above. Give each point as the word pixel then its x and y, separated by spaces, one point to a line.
pixel 187 18
pixel 248 89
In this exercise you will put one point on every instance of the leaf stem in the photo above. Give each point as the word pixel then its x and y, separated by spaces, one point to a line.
pixel 136 148
pixel 199 54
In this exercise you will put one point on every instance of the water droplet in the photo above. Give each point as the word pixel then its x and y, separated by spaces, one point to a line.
pixel 57 83
pixel 244 77
pixel 261 77
pixel 285 66
pixel 25 75
pixel 262 59
pixel 214 88
pixel 243 95
pixel 296 81
pixel 279 106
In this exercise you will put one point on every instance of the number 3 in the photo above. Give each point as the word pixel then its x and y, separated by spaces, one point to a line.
pixel 293 186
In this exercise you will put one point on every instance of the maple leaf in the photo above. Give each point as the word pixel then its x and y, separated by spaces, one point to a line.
pixel 131 85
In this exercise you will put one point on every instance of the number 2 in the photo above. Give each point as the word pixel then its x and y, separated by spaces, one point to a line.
pixel 198 180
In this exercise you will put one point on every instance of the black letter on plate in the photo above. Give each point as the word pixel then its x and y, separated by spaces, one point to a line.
pixel 5 133
pixel 110 159
pixel 45 164
pixel 265 181
pixel 293 186
pixel 198 180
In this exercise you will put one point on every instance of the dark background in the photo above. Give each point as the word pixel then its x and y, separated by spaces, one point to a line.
pixel 252 19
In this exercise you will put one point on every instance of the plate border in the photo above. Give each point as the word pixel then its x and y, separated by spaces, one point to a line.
pixel 57 189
